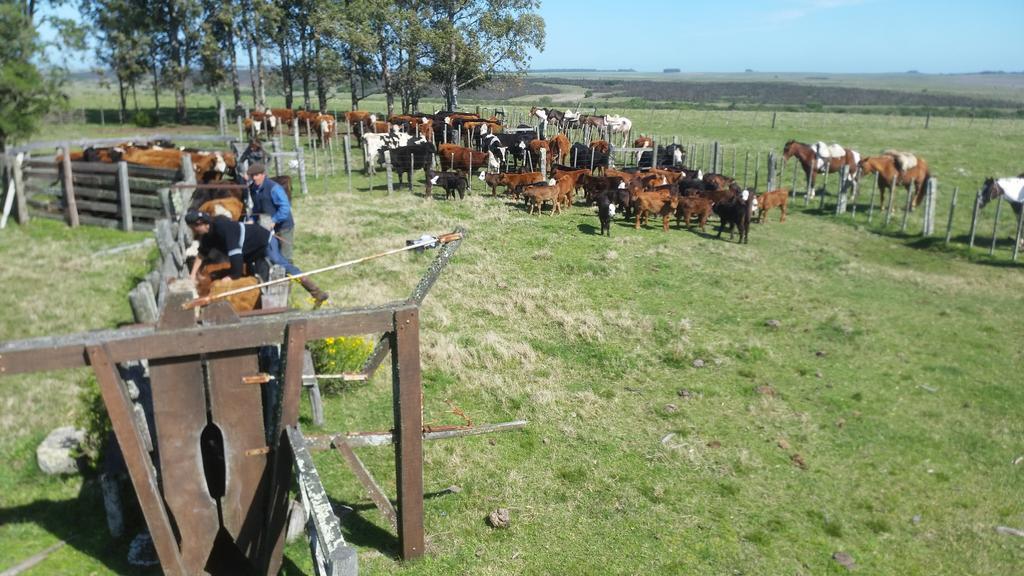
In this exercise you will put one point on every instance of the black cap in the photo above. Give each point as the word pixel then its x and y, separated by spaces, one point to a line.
pixel 193 217
pixel 256 168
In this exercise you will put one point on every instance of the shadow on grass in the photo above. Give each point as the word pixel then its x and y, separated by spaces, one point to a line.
pixel 81 523
pixel 359 531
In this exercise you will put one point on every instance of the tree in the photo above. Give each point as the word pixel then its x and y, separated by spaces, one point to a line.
pixel 475 40
pixel 29 86
pixel 121 30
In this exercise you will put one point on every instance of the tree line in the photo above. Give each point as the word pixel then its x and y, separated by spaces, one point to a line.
pixel 312 51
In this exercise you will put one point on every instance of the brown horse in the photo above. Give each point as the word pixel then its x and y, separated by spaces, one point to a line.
pixel 809 160
pixel 889 175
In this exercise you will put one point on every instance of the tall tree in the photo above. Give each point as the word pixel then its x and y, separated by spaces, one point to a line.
pixel 30 86
pixel 120 28
pixel 475 40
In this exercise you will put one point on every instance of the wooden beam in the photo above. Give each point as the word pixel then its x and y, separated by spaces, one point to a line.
pixel 407 391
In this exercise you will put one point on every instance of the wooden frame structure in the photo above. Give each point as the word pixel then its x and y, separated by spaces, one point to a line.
pixel 206 381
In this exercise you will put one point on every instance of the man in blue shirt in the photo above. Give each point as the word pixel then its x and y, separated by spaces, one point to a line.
pixel 269 199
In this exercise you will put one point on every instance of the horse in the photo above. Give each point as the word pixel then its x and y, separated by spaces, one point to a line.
pixel 814 163
pixel 1012 188
pixel 889 175
pixel 619 125
pixel 546 115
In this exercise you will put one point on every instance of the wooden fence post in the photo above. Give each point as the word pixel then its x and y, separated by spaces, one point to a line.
pixel 773 120
pixel 301 156
pixel 188 172
pixel 240 135
pixel 952 208
pixel 1020 236
pixel 124 196
pixel 71 206
pixel 222 119
pixel 274 150
pixel 715 151
pixel 346 147
pixel 910 199
pixel 20 202
pixel 995 226
pixel 841 196
pixel 771 173
pixel 295 131
pixel 929 208
pixel 316 163
pixel 544 164
pixel 871 200
pixel 824 191
pixel 387 169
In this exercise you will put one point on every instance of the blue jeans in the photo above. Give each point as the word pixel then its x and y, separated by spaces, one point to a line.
pixel 275 257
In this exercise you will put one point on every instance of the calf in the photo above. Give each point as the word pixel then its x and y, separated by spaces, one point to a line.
pixel 536 196
pixel 452 182
pixel 605 212
pixel 660 202
pixel 509 181
pixel 735 212
pixel 690 206
pixel 770 200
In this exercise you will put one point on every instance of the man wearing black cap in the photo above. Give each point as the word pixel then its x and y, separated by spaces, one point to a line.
pixel 243 244
pixel 269 199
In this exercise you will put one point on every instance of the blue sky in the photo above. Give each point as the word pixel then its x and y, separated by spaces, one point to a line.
pixel 937 36
pixel 785 35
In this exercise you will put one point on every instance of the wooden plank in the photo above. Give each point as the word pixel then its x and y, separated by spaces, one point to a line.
pixel 333 556
pixel 56 353
pixel 69 188
pixel 232 405
pixel 137 460
pixel 138 200
pixel 179 414
pixel 124 197
pixel 277 505
pixel 373 490
pixel 21 209
pixel 408 404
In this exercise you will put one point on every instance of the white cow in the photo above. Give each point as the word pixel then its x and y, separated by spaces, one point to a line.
pixel 373 144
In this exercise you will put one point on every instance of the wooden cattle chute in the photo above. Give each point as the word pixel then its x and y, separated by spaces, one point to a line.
pixel 115 195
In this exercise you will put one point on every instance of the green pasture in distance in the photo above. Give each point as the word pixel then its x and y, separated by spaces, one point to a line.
pixel 892 374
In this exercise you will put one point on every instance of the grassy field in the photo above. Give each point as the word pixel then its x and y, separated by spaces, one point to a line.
pixel 879 418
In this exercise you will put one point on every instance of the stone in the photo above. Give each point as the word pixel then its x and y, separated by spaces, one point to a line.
pixel 141 551
pixel 56 454
pixel 818 374
pixel 766 391
pixel 799 461
pixel 775 324
pixel 453 489
pixel 783 444
pixel 296 521
pixel 844 560
pixel 499 518
pixel 714 444
pixel 670 408
pixel 1010 531
pixel 684 393
pixel 916 519
pixel 698 363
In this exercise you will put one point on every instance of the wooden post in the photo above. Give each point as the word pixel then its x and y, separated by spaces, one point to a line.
pixel 387 169
pixel 309 133
pixel 929 207
pixel 544 164
pixel 1020 236
pixel 103 120
pixel 240 134
pixel 274 150
pixel 952 209
pixel 734 150
pixel 222 119
pixel 844 171
pixel 715 151
pixel 746 162
pixel 302 166
pixel 71 206
pixel 892 202
pixel 703 153
pixel 346 145
pixel 995 226
pixel 20 203
pixel 773 120
pixel 188 172
pixel 124 196
pixel 412 169
pixel 792 188
pixel 330 145
pixel 824 191
pixel 809 191
pixel 871 200
pixel 757 169
pixel 927 120
pixel 407 391
pixel 316 162
pixel 771 173
pixel 910 199
pixel 295 131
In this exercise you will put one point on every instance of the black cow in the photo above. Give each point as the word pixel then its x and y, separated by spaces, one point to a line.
pixel 734 211
pixel 412 157
pixel 606 211
pixel 516 144
pixel 581 156
pixel 452 182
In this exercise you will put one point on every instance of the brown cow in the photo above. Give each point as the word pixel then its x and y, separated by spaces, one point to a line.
pixel 690 206
pixel 601 146
pixel 458 158
pixel 359 118
pixel 559 147
pixel 643 142
pixel 511 182
pixel 556 192
pixel 772 199
pixel 661 202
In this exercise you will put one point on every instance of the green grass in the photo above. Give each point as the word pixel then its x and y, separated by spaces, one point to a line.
pixel 893 375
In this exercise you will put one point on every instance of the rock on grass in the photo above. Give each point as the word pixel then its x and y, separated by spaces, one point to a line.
pixel 499 518
pixel 844 560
